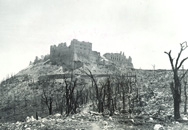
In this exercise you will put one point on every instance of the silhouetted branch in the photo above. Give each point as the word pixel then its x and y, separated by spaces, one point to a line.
pixel 183 75
pixel 179 54
pixel 170 58
pixel 182 62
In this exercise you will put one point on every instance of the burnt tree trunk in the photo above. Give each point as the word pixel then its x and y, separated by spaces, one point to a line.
pixel 176 89
pixel 50 105
pixel 94 84
pixel 123 99
pixel 103 99
pixel 67 100
pixel 177 96
pixel 37 116
pixel 109 95
pixel 176 105
pixel 185 94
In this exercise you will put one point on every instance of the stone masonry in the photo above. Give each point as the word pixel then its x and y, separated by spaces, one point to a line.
pixel 119 58
pixel 82 51
pixel 77 51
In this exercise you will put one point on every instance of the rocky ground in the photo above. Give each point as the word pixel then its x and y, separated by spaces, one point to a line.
pixel 89 120
pixel 85 120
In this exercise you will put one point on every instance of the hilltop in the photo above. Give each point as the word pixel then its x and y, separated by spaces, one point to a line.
pixel 20 92
pixel 71 78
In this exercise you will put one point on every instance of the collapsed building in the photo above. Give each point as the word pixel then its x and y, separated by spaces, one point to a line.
pixel 119 59
pixel 77 52
pixel 81 52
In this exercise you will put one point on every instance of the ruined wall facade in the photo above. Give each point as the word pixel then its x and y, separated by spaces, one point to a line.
pixel 61 54
pixel 94 56
pixel 77 51
pixel 119 58
pixel 78 47
pixel 59 50
pixel 82 51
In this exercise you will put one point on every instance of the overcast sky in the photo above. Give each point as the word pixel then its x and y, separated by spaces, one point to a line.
pixel 142 29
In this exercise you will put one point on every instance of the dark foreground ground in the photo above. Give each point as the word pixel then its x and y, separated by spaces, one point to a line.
pixel 89 120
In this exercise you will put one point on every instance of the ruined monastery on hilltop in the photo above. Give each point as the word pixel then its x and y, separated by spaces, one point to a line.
pixel 82 52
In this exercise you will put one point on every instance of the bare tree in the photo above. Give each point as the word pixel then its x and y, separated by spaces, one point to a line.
pixel 69 89
pixel 109 95
pixel 98 91
pixel 106 92
pixel 74 95
pixel 48 93
pixel 176 88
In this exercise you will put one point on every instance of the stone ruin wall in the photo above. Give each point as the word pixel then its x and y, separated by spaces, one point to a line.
pixel 119 58
pixel 60 54
pixel 94 56
pixel 77 51
pixel 82 51
pixel 78 47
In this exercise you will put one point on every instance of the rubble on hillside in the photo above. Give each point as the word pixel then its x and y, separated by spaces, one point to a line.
pixel 89 120
pixel 156 110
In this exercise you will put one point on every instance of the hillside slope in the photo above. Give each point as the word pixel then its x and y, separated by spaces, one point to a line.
pixel 21 94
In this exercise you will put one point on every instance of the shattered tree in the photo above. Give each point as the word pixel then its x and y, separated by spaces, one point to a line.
pixel 176 86
pixel 97 91
pixel 48 91
pixel 185 91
